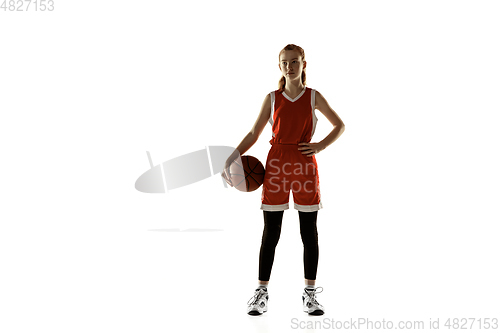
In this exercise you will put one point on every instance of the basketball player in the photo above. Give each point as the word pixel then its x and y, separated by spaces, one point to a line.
pixel 290 165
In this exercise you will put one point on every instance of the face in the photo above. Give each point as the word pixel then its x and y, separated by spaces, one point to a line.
pixel 291 64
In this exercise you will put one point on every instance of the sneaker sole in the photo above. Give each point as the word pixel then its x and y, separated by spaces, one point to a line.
pixel 256 313
pixel 317 313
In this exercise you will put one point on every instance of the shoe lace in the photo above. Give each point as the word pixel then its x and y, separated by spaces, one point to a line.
pixel 255 298
pixel 312 295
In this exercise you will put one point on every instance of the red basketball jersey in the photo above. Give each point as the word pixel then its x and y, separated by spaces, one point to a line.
pixel 293 120
pixel 287 168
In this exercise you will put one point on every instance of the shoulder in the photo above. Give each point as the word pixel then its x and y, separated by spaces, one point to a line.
pixel 319 98
pixel 269 98
pixel 312 90
pixel 314 95
pixel 273 94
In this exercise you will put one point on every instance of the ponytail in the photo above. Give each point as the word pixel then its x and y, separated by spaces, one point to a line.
pixel 281 84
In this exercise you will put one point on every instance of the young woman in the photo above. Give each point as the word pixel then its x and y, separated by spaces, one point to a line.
pixel 290 165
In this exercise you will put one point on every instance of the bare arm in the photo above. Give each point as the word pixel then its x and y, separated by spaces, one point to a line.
pixel 252 136
pixel 309 149
pixel 338 125
pixel 258 127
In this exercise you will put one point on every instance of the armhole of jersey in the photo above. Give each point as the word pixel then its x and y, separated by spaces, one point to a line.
pixel 271 118
pixel 313 107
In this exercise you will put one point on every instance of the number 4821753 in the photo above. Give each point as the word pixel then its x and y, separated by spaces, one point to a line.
pixel 26 5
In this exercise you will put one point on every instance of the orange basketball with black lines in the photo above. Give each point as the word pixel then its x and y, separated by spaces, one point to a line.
pixel 248 175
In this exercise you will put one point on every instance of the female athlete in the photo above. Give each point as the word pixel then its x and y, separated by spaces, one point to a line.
pixel 290 165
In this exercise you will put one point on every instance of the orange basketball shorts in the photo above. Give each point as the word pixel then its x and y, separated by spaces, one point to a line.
pixel 288 169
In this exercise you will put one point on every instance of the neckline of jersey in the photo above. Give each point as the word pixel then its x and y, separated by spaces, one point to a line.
pixel 296 98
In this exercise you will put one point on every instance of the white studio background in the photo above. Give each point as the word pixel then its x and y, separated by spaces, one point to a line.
pixel 409 229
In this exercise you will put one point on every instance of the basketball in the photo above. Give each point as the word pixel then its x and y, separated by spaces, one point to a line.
pixel 247 173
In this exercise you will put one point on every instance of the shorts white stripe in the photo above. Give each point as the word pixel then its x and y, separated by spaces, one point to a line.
pixel 274 207
pixel 308 208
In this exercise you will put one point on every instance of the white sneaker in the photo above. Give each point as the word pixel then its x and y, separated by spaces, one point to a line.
pixel 310 304
pixel 257 305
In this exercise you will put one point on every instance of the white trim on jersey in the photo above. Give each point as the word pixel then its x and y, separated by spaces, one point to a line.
pixel 296 98
pixel 314 118
pixel 272 110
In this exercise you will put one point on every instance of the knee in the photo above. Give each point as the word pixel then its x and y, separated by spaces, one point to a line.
pixel 310 239
pixel 271 237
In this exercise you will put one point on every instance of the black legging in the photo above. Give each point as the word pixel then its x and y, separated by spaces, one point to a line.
pixel 271 236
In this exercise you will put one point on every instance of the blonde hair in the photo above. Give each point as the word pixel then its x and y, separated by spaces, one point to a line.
pixel 289 47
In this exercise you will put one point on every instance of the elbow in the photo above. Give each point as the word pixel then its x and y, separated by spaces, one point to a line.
pixel 254 135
